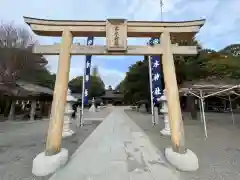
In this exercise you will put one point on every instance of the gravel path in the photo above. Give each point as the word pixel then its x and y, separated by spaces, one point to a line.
pixel 20 142
pixel 219 155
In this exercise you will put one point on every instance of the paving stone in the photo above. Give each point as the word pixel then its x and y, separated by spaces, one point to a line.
pixel 101 176
pixel 117 149
pixel 218 155
pixel 141 175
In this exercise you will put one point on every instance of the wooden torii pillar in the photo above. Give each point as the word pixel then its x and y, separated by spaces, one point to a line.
pixel 116 32
pixel 174 109
pixel 54 137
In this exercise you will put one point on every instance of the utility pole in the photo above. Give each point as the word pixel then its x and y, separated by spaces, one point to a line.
pixel 151 89
pixel 161 6
pixel 86 79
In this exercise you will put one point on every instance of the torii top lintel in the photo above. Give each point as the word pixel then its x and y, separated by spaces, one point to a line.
pixel 83 28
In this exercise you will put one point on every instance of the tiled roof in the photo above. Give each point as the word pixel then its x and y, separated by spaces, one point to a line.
pixel 112 94
pixel 36 89
pixel 23 89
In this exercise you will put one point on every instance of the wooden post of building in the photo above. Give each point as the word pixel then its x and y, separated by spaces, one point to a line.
pixel 11 114
pixel 33 110
pixel 174 109
pixel 54 139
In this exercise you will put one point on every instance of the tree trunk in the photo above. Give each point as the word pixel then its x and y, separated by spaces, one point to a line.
pixel 2 104
pixel 147 108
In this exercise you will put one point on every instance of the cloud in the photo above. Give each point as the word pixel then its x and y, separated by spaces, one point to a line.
pixel 149 10
pixel 112 76
pixel 220 28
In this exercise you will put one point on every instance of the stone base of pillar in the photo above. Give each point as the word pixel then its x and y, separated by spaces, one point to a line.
pixel 44 165
pixel 67 121
pixel 67 133
pixel 78 117
pixel 92 108
pixel 165 132
pixel 183 162
pixel 156 115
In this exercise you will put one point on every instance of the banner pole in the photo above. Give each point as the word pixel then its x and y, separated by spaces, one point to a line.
pixel 151 88
pixel 83 92
pixel 86 73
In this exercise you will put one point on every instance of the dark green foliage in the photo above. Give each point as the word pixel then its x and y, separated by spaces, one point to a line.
pixel 41 77
pixel 96 89
pixel 233 49
pixel 207 64
pixel 135 85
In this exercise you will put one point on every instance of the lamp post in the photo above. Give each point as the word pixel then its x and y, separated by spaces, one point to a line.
pixel 68 115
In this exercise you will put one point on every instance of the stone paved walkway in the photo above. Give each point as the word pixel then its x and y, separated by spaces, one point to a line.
pixel 218 155
pixel 117 150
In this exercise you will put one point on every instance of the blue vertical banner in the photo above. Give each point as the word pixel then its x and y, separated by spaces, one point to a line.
pixel 87 71
pixel 157 74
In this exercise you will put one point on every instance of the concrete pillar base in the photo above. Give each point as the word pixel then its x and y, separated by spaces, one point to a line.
pixel 183 162
pixel 67 133
pixel 165 132
pixel 44 165
pixel 92 108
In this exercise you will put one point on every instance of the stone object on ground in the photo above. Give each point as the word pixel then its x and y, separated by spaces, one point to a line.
pixel 166 131
pixel 45 165
pixel 156 115
pixel 79 116
pixel 133 107
pixel 92 108
pixel 68 115
pixel 67 120
pixel 184 162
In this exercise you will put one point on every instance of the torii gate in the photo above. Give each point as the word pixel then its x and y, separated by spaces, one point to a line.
pixel 116 32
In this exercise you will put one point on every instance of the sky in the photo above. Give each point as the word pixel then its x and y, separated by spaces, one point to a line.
pixel 222 25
